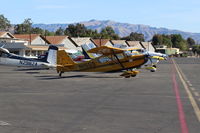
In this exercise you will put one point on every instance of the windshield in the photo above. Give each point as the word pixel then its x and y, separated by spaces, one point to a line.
pixel 2 54
pixel 127 53
pixel 75 55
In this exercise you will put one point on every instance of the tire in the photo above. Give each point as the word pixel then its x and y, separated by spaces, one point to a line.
pixel 133 75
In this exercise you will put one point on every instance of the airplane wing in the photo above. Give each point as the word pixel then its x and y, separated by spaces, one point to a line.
pixel 107 50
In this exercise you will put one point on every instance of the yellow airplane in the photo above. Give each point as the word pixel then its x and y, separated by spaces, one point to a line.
pixel 111 59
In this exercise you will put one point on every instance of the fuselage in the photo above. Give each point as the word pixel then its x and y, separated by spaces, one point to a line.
pixel 16 60
pixel 153 57
pixel 107 63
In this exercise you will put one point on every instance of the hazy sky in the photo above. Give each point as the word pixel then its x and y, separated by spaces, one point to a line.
pixel 174 14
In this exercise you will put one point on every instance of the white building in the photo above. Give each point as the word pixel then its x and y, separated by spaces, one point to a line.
pixel 14 45
pixel 37 44
pixel 135 44
pixel 61 40
pixel 148 46
pixel 79 41
pixel 119 43
pixel 102 42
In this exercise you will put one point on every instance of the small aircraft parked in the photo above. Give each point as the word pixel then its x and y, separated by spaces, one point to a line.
pixel 111 59
pixel 153 59
pixel 48 61
pixel 151 64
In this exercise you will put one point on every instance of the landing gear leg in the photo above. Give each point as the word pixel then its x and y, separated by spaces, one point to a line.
pixel 154 68
pixel 60 73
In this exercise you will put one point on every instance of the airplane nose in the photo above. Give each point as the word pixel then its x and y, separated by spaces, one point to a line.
pixel 161 58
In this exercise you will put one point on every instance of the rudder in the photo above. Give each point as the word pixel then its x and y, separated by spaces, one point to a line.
pixel 52 54
pixel 64 59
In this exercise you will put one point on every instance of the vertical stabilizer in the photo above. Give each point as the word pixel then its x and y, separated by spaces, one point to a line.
pixel 52 55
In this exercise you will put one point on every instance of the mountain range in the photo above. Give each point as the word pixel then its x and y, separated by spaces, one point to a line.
pixel 124 29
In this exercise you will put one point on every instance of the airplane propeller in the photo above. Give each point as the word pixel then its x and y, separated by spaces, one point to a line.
pixel 153 67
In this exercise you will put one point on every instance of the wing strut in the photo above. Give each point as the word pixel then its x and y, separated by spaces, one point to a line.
pixel 118 60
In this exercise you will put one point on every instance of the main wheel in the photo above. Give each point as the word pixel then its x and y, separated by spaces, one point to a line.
pixel 128 76
pixel 60 74
pixel 133 75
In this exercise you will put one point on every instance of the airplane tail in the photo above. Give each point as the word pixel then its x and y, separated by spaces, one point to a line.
pixel 52 55
pixel 64 59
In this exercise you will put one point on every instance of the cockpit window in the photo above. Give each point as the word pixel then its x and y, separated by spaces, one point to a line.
pixel 135 52
pixel 3 54
pixel 104 59
pixel 75 55
pixel 127 53
pixel 141 50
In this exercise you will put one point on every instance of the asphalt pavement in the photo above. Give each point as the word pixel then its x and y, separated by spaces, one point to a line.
pixel 38 101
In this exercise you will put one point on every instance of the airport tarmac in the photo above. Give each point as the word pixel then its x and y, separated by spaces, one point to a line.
pixel 159 102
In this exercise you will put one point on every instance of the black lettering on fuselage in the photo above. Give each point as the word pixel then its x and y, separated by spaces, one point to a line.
pixel 28 63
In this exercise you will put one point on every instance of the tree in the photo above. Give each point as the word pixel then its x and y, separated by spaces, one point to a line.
pixel 157 40
pixel 95 34
pixel 134 37
pixel 167 41
pixel 190 42
pixel 174 40
pixel 24 28
pixel 179 42
pixel 59 32
pixel 78 30
pixel 196 49
pixel 108 30
pixel 48 33
pixel 4 23
pixel 37 31
pixel 109 33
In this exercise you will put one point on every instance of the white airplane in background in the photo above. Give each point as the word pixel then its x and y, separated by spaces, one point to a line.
pixel 48 61
pixel 153 59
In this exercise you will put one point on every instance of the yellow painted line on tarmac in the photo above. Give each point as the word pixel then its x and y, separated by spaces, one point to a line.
pixel 191 98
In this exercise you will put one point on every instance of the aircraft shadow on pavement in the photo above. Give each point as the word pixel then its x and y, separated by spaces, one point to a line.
pixel 30 69
pixel 52 77
pixel 32 72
